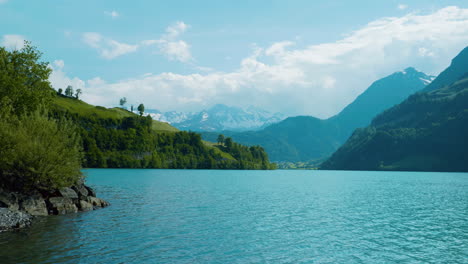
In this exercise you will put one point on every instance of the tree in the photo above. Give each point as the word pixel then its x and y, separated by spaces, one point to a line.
pixel 229 143
pixel 69 91
pixel 220 139
pixel 60 91
pixel 123 101
pixel 24 79
pixel 141 109
pixel 78 93
pixel 131 108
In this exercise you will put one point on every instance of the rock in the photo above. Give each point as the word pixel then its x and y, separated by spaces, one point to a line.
pixel 91 192
pixel 94 201
pixel 13 219
pixel 9 200
pixel 85 206
pixel 62 205
pixel 34 205
pixel 68 193
pixel 81 190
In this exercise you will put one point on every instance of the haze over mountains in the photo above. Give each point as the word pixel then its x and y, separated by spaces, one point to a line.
pixel 306 138
pixel 426 132
pixel 218 118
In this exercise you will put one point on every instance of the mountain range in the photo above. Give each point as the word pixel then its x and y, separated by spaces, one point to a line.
pixel 305 138
pixel 218 118
pixel 426 132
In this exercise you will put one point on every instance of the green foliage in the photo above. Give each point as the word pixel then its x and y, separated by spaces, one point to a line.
pixel 220 139
pixel 141 109
pixel 69 91
pixel 24 79
pixel 123 101
pixel 38 153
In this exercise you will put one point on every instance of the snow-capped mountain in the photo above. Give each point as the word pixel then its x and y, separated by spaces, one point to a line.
pixel 218 118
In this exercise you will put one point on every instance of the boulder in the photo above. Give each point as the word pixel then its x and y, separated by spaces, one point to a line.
pixel 96 201
pixel 62 205
pixel 34 205
pixel 81 190
pixel 68 193
pixel 91 192
pixel 85 206
pixel 13 219
pixel 9 200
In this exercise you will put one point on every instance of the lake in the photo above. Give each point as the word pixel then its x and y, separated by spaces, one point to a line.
pixel 199 216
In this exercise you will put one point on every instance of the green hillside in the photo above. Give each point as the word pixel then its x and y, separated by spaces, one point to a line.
pixel 427 132
pixel 117 138
pixel 84 109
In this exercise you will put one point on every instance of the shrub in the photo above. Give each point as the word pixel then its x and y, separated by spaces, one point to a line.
pixel 38 153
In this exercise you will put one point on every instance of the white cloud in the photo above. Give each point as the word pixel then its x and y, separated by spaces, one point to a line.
pixel 402 6
pixel 318 80
pixel 169 44
pixel 113 13
pixel 13 41
pixel 108 48
pixel 59 64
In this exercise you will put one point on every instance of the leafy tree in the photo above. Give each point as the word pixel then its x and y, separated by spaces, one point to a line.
pixel 78 93
pixel 229 143
pixel 220 139
pixel 131 108
pixel 60 91
pixel 141 109
pixel 123 101
pixel 69 91
pixel 38 153
pixel 24 79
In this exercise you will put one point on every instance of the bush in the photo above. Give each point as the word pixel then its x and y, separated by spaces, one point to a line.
pixel 38 153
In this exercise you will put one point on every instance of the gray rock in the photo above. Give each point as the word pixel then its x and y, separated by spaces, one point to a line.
pixel 81 190
pixel 9 200
pixel 13 219
pixel 94 201
pixel 62 205
pixel 34 205
pixel 91 192
pixel 85 206
pixel 68 193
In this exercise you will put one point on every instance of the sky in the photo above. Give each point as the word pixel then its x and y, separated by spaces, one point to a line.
pixel 297 57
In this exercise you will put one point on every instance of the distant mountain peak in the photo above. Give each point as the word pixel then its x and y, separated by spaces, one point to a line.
pixel 221 117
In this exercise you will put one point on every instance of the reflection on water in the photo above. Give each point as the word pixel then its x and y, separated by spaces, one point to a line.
pixel 175 216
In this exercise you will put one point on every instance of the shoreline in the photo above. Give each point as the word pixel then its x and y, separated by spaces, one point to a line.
pixel 18 210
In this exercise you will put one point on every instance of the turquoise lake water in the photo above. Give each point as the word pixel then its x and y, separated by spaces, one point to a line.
pixel 194 216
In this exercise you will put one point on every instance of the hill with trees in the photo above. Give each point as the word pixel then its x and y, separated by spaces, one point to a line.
pixel 426 132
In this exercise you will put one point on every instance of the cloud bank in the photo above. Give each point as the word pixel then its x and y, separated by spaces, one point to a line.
pixel 317 80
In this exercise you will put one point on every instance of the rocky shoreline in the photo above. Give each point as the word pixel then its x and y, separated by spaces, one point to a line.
pixel 18 210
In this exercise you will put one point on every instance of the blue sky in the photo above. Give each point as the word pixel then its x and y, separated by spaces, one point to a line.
pixel 297 57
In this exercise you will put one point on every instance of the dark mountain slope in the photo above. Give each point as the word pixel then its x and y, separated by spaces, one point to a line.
pixel 427 132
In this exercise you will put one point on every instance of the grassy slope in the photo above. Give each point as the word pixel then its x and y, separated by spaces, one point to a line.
pixel 85 109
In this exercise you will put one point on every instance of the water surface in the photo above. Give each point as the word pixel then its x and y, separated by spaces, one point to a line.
pixel 196 216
